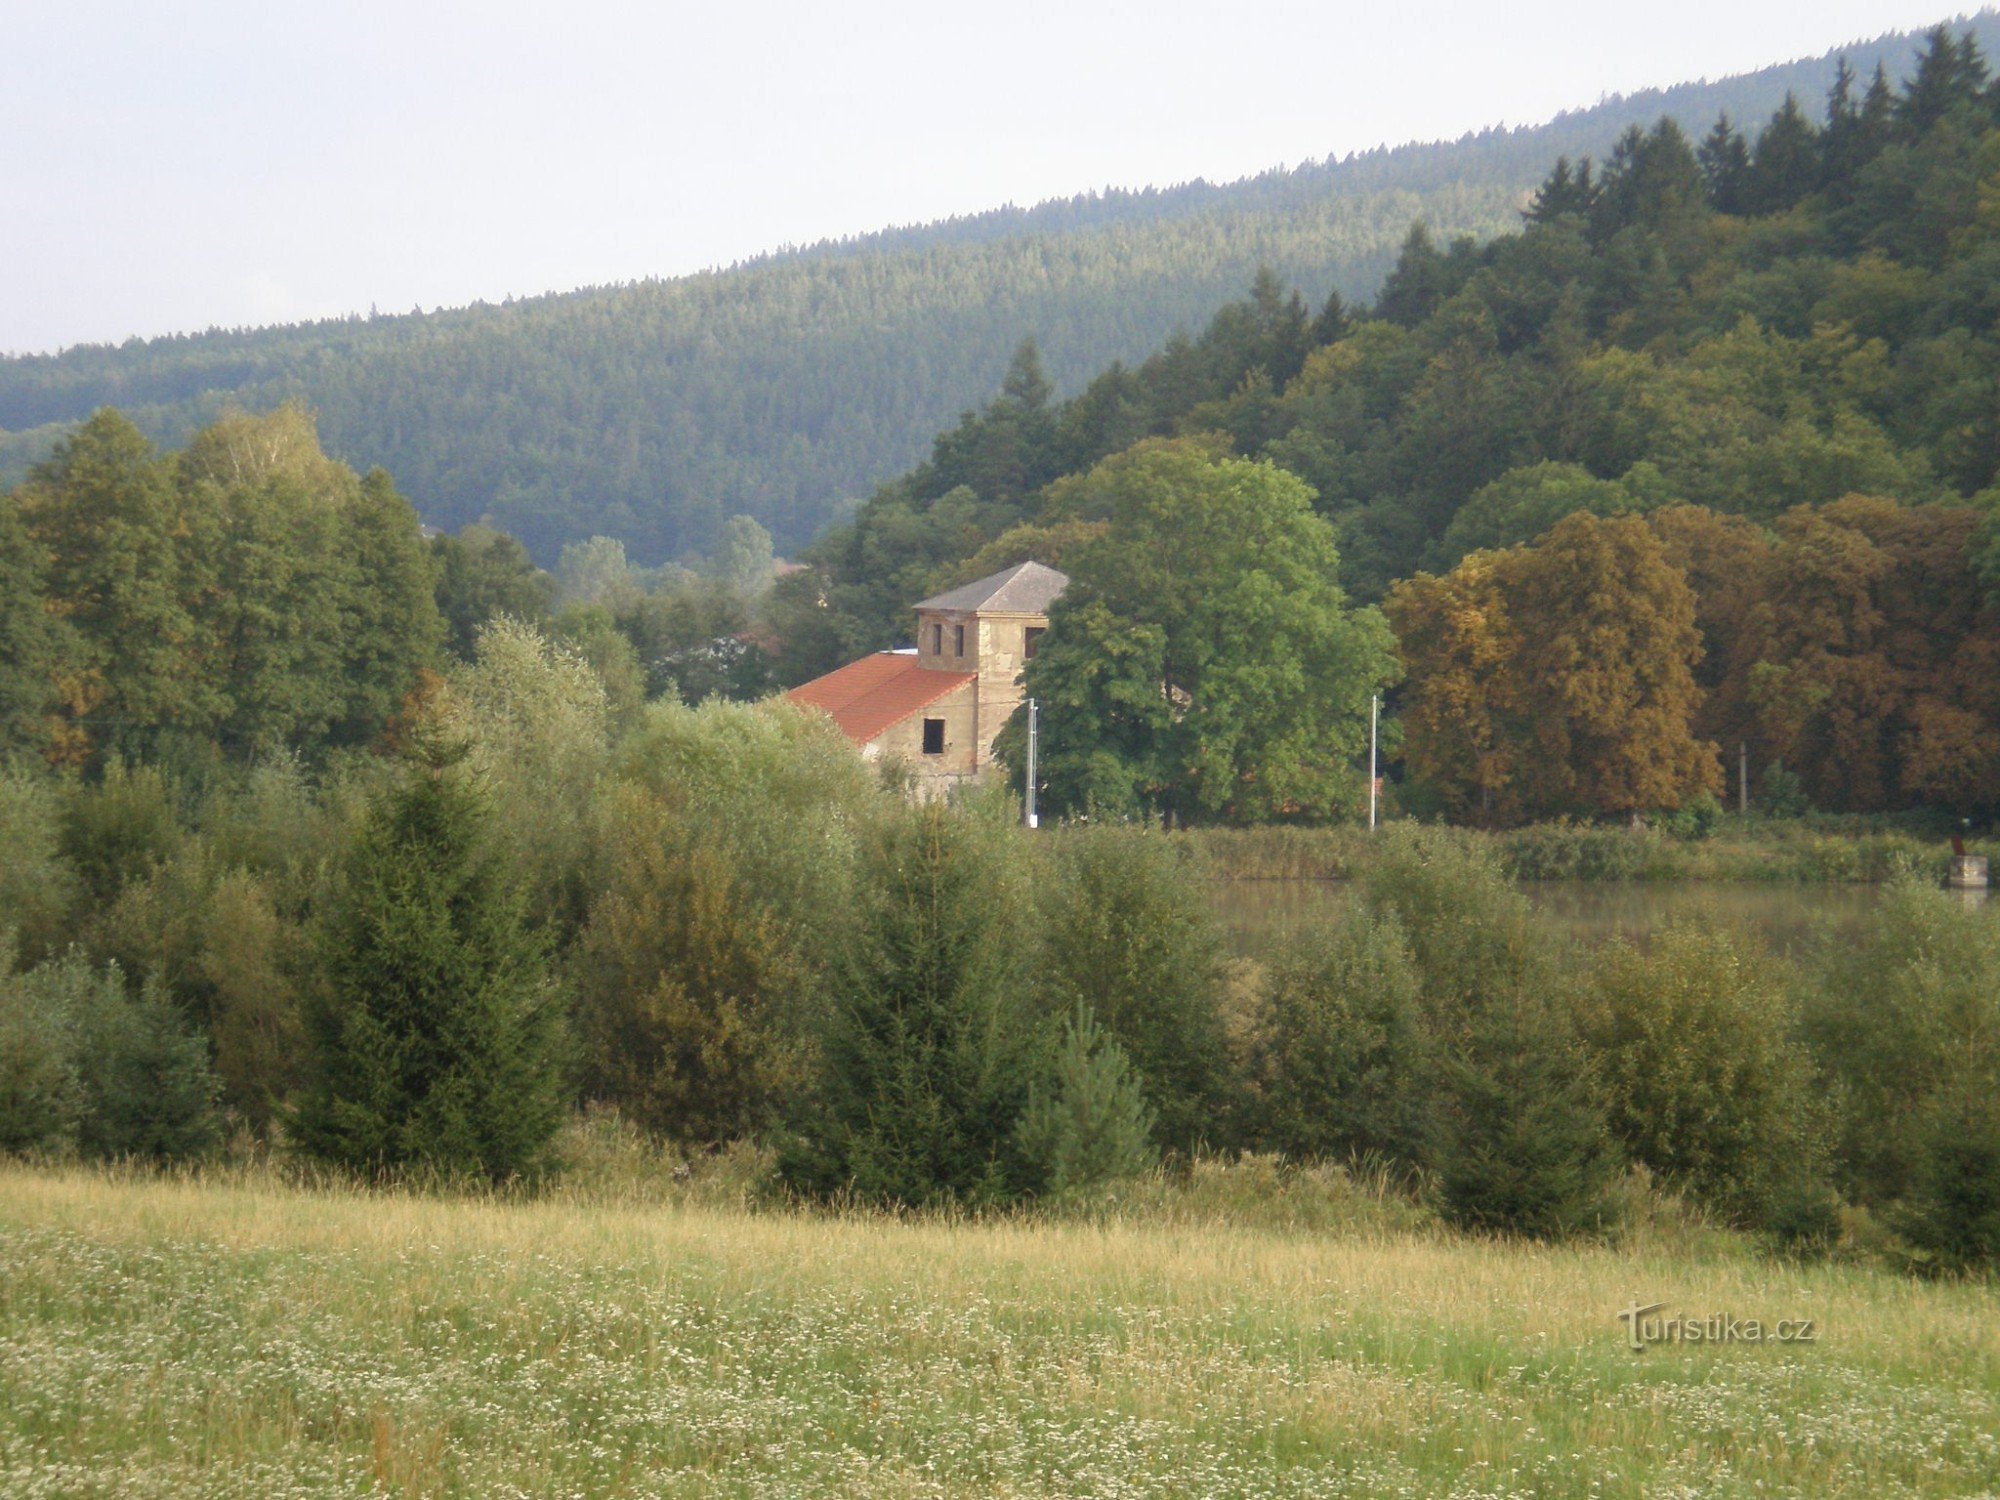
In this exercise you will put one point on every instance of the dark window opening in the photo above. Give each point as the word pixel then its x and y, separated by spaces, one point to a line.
pixel 1034 641
pixel 958 640
pixel 937 640
pixel 934 736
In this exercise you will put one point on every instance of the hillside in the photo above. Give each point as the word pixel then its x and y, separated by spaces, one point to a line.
pixel 789 386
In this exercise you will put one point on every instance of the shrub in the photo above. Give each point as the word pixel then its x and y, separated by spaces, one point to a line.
pixel 1471 933
pixel 1127 933
pixel 1345 1056
pixel 1695 819
pixel 1703 1079
pixel 682 982
pixel 1782 793
pixel 1953 1213
pixel 434 1043
pixel 1899 1015
pixel 119 828
pixel 1578 851
pixel 40 1097
pixel 1088 1125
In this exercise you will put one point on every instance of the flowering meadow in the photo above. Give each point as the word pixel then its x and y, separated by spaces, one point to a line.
pixel 239 1336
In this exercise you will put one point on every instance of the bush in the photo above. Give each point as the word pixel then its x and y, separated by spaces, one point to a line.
pixel 1578 851
pixel 1782 793
pixel 1703 1080
pixel 1472 934
pixel 1695 819
pixel 681 985
pixel 1088 1125
pixel 1953 1213
pixel 1345 1059
pixel 1899 1015
pixel 119 829
pixel 1127 932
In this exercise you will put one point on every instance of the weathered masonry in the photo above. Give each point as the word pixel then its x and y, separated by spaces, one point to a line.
pixel 938 705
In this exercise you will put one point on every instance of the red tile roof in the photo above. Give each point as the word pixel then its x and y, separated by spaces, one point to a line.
pixel 865 697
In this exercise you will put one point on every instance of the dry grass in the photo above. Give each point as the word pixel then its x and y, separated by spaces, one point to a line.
pixel 241 1337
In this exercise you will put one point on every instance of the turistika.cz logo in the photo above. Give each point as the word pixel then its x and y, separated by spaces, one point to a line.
pixel 1645 1326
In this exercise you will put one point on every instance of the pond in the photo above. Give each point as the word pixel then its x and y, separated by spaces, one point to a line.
pixel 1262 915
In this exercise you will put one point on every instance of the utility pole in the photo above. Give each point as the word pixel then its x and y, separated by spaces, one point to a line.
pixel 1743 776
pixel 1028 790
pixel 1374 781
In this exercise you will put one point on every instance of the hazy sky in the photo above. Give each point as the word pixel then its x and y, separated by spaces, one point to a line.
pixel 168 166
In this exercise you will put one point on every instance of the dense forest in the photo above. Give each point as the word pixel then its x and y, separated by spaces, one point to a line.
pixel 787 387
pixel 1759 371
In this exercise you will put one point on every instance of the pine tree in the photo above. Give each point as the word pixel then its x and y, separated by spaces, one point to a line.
pixel 1089 1125
pixel 435 1046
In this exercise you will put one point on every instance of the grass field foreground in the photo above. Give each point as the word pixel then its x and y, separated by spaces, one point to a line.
pixel 222 1337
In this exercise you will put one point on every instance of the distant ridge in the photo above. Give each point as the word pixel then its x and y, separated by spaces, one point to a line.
pixel 788 385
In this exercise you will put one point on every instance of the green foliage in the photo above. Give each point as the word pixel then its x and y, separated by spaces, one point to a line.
pixel 1127 934
pixel 1953 1213
pixel 1781 793
pixel 1903 1019
pixel 39 887
pixel 119 828
pixel 1245 693
pixel 1470 932
pixel 1346 1065
pixel 482 575
pixel 91 1068
pixel 934 1035
pixel 1088 1126
pixel 1703 1078
pixel 1697 818
pixel 243 596
pixel 1519 1143
pixel 682 981
pixel 435 1041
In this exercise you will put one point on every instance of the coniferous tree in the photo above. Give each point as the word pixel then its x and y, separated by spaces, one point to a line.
pixel 1725 165
pixel 933 1038
pixel 435 1044
pixel 1786 165
pixel 1088 1125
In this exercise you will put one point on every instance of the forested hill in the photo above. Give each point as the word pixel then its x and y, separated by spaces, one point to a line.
pixel 785 387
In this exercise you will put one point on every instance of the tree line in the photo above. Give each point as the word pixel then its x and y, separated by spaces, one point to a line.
pixel 720 923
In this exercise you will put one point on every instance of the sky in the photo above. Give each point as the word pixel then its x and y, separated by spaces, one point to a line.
pixel 171 167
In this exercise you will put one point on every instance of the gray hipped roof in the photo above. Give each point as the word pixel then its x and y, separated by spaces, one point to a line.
pixel 1027 589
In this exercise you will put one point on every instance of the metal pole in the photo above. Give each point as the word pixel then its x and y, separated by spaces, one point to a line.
pixel 1028 791
pixel 1374 781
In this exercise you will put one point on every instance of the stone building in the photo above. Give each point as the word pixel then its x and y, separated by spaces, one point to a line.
pixel 937 706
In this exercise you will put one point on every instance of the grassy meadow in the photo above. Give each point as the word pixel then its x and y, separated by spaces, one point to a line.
pixel 231 1335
